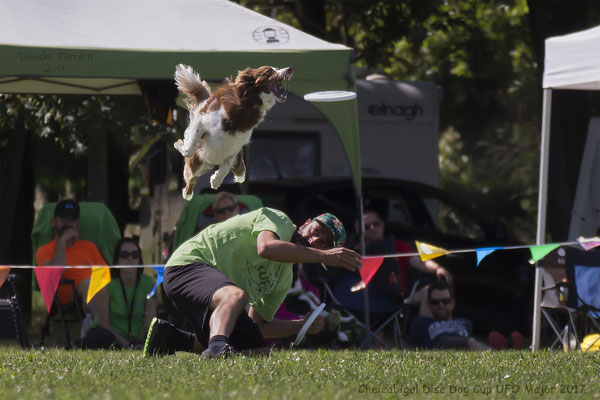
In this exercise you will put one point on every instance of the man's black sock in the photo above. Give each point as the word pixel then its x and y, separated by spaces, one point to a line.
pixel 216 344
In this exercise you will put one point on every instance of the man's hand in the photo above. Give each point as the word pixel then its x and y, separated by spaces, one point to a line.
pixel 69 236
pixel 342 257
pixel 317 325
pixel 443 274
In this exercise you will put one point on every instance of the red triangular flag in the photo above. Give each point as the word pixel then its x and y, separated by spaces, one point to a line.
pixel 369 268
pixel 48 278
pixel 3 274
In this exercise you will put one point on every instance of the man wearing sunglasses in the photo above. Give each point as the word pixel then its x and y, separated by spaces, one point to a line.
pixel 230 279
pixel 442 331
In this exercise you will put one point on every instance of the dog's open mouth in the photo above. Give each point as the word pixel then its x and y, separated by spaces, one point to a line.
pixel 278 85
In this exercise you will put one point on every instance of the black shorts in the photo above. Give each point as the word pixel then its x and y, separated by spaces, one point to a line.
pixel 191 288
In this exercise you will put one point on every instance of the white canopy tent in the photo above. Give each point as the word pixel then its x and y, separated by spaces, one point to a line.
pixel 571 62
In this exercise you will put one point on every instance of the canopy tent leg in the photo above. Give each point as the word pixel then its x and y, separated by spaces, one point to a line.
pixel 541 219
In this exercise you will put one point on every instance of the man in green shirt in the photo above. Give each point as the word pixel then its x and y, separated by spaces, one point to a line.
pixel 230 279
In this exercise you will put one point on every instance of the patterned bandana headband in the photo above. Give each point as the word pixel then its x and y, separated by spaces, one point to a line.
pixel 335 226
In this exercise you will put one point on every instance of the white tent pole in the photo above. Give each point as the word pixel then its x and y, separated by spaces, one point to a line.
pixel 541 219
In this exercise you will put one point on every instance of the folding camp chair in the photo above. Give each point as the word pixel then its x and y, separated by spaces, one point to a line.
pixel 395 317
pixel 97 225
pixel 9 300
pixel 580 298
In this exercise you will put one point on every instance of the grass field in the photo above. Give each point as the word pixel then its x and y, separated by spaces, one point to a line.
pixel 298 375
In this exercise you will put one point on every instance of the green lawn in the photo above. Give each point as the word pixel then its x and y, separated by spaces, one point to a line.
pixel 298 374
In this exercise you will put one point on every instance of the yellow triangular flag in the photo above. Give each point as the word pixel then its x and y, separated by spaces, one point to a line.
pixel 428 252
pixel 100 278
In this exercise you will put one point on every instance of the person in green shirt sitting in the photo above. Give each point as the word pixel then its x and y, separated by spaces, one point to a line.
pixel 123 312
pixel 230 279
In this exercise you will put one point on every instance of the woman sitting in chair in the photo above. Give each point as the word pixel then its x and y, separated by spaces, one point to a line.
pixel 124 314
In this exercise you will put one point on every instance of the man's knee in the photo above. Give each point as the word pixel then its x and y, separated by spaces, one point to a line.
pixel 229 295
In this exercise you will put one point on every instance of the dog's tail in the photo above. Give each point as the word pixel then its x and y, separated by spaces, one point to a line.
pixel 189 83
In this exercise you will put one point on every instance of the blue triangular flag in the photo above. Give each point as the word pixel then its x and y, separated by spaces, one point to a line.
pixel 484 252
pixel 159 278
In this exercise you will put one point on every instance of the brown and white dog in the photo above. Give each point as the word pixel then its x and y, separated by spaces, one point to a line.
pixel 221 123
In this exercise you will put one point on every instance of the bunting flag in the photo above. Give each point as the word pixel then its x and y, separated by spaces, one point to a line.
pixel 590 243
pixel 3 274
pixel 429 252
pixel 484 252
pixel 48 278
pixel 159 278
pixel 539 252
pixel 370 265
pixel 100 278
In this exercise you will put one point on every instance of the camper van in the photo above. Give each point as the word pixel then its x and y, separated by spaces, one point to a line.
pixel 398 128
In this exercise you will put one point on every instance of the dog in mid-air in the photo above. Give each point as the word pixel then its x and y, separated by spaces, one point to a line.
pixel 221 123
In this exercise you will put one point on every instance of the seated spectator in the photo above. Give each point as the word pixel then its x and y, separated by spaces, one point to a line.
pixel 225 206
pixel 386 286
pixel 66 249
pixel 442 331
pixel 123 312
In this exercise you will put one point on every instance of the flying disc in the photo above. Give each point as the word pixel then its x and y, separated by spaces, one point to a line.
pixel 308 323
pixel 330 96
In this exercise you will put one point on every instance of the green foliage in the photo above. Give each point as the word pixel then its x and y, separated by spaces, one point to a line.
pixel 297 375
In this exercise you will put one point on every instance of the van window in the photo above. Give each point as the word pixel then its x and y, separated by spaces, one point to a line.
pixel 453 221
pixel 284 155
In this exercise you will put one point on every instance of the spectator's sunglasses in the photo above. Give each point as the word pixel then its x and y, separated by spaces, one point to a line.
pixel 437 302
pixel 374 224
pixel 126 254
pixel 228 208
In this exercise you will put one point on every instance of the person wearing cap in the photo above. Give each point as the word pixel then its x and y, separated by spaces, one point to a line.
pixel 230 279
pixel 67 249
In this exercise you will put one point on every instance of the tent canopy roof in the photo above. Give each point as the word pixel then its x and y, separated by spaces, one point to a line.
pixel 176 25
pixel 573 61
pixel 104 46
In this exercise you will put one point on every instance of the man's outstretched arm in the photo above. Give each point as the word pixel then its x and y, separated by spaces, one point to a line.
pixel 271 247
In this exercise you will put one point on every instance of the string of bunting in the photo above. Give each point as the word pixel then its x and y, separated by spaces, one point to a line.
pixel 49 277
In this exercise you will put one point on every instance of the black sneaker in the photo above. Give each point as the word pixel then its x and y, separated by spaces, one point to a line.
pixel 158 341
pixel 227 352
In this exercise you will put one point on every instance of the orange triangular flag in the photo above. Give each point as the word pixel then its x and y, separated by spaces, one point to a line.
pixel 100 278
pixel 48 278
pixel 428 252
pixel 370 265
pixel 3 274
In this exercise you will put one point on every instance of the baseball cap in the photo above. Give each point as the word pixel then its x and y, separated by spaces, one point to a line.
pixel 67 208
pixel 338 233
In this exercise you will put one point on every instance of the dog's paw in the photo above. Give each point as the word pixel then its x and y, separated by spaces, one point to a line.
pixel 215 182
pixel 187 197
pixel 240 179
pixel 179 146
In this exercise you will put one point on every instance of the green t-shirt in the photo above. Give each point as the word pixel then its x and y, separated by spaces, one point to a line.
pixel 119 311
pixel 231 247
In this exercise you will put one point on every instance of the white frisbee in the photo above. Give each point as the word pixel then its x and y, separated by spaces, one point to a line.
pixel 329 96
pixel 308 323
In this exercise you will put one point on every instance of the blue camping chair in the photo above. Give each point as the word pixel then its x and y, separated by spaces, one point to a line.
pixel 97 225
